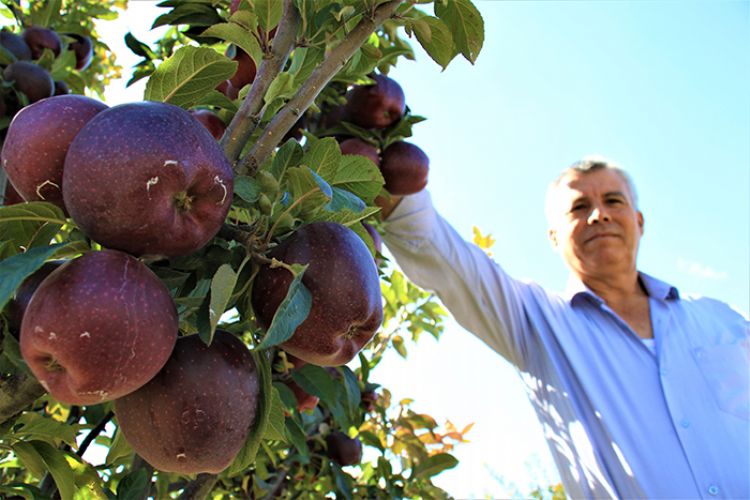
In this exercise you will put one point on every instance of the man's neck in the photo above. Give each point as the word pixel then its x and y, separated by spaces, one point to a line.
pixel 616 290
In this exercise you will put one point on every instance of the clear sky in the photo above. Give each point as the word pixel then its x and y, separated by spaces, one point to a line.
pixel 661 87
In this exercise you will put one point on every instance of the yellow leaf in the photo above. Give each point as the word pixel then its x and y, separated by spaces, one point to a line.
pixel 484 242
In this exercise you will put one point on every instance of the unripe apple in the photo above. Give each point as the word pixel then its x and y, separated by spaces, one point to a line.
pixel 148 179
pixel 196 414
pixel 97 328
pixel 344 450
pixel 343 281
pixel 375 106
pixel 356 146
pixel 45 128
pixel 32 80
pixel 15 45
pixel 211 121
pixel 39 38
pixel 404 167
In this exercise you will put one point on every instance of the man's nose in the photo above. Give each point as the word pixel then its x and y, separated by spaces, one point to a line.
pixel 598 214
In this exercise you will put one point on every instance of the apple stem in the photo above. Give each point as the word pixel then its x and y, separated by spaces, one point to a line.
pixel 246 119
pixel 183 201
pixel 316 82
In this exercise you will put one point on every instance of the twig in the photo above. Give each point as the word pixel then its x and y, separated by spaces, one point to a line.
pixel 246 119
pixel 94 433
pixel 16 393
pixel 200 487
pixel 336 59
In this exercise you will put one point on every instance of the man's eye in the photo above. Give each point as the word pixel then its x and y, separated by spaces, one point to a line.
pixel 577 207
pixel 614 200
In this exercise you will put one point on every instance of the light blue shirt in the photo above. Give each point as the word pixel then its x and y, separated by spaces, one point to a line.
pixel 621 419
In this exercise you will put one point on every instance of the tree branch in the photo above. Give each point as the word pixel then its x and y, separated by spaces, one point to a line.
pixel 94 433
pixel 336 59
pixel 246 119
pixel 3 182
pixel 16 393
pixel 200 487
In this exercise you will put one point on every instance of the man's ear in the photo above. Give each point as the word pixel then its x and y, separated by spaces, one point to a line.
pixel 640 221
pixel 552 235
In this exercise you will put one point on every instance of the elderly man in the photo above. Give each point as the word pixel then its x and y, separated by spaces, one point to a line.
pixel 643 392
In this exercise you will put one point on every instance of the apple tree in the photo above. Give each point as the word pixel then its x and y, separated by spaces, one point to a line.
pixel 194 299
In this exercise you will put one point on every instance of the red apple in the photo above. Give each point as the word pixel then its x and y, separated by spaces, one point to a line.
pixel 15 45
pixel 343 281
pixel 83 49
pixel 246 69
pixel 34 81
pixel 47 128
pixel 22 296
pixel 375 106
pixel 356 146
pixel 344 450
pixel 196 414
pixel 11 196
pixel 98 327
pixel 404 167
pixel 148 179
pixel 211 121
pixel 39 38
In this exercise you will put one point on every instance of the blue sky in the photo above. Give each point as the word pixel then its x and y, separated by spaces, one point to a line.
pixel 661 87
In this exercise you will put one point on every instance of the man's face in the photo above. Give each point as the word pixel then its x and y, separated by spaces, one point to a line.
pixel 596 227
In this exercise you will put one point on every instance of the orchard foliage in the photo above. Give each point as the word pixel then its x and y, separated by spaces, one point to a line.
pixel 282 138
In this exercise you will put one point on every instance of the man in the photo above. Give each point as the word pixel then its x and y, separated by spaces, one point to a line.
pixel 642 392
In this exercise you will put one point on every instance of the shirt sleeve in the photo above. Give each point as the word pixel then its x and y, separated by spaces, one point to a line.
pixel 477 292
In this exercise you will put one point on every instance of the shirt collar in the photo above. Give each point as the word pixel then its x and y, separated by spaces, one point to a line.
pixel 576 291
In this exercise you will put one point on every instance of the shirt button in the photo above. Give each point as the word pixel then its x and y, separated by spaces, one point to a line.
pixel 713 490
pixel 685 423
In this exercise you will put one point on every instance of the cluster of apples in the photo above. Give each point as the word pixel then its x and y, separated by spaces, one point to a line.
pixel 141 179
pixel 376 107
pixel 30 78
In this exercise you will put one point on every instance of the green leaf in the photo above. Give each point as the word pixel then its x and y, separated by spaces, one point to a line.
pixel 119 448
pixel 436 39
pixel 247 188
pixel 434 465
pixel 35 426
pixel 296 435
pixel 282 87
pixel 344 200
pixel 308 188
pixel 58 466
pixel 30 224
pixel 193 13
pixel 15 269
pixel 246 456
pixel 353 394
pixel 317 381
pixel 188 75
pixel 238 35
pixel 465 23
pixel 275 427
pixel 288 155
pixel 269 13
pixel 137 47
pixel 398 344
pixel 291 313
pixel 44 12
pixel 222 286
pixel 360 176
pixel 304 62
pixel 134 486
pixel 370 439
pixel 344 482
pixel 324 157
pixel 218 100
pixel 30 458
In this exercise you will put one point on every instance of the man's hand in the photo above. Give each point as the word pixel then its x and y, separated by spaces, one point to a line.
pixel 387 205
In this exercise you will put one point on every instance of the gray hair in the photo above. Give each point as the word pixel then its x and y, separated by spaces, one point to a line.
pixel 586 165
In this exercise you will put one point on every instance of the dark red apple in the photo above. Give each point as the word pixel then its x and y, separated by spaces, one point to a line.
pixel 148 179
pixel 246 69
pixel 369 400
pixel 32 80
pixel 343 281
pixel 305 401
pixel 39 38
pixel 375 106
pixel 83 49
pixel 332 117
pixel 98 327
pixel 22 296
pixel 404 167
pixel 61 88
pixel 11 196
pixel 15 45
pixel 356 146
pixel 377 240
pixel 38 140
pixel 228 89
pixel 344 450
pixel 211 121
pixel 195 415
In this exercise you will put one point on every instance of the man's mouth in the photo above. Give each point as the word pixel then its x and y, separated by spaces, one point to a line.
pixel 601 236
